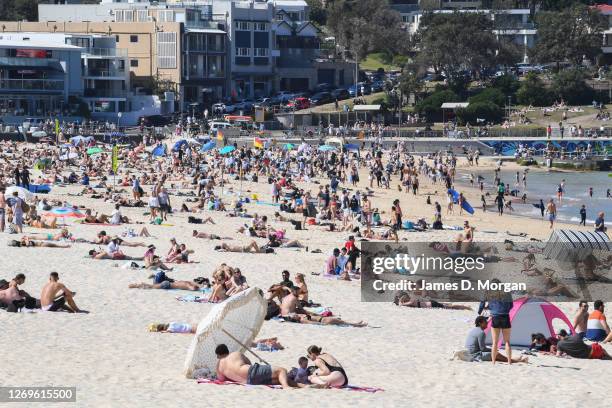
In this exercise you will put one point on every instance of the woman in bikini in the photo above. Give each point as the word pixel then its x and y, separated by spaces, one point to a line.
pixel 302 288
pixel 219 293
pixel 329 371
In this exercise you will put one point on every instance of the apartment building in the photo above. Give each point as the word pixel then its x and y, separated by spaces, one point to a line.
pixel 513 25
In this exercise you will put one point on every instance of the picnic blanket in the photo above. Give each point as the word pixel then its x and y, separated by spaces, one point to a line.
pixel 348 387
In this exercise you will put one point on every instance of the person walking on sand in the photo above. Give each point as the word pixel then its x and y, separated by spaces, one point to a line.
pixel 2 209
pixel 583 215
pixel 551 209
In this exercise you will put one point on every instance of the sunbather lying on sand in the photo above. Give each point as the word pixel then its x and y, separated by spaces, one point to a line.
pixel 180 284
pixel 250 248
pixel 405 300
pixel 328 321
pixel 116 255
pixel 63 234
pixel 205 235
pixel 25 242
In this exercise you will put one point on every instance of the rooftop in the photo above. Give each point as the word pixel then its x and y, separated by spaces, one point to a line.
pixel 37 44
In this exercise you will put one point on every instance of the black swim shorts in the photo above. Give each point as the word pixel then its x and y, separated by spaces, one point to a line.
pixel 501 322
pixel 259 374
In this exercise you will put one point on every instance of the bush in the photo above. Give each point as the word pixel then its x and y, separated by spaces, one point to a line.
pixel 431 106
pixel 489 95
pixel 486 111
pixel 570 85
pixel 507 83
pixel 400 60
pixel 533 92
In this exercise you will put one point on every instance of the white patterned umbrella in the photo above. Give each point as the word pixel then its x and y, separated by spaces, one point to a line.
pixel 234 322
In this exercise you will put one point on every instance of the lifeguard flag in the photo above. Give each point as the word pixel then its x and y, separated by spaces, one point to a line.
pixel 361 135
pixel 219 134
pixel 258 143
pixel 115 159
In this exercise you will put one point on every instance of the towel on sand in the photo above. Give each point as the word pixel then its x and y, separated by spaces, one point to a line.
pixel 348 387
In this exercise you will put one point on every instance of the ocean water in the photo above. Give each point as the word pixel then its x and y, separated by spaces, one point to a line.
pixel 543 185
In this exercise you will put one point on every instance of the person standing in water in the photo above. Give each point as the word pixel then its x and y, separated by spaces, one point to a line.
pixel 583 215
pixel 551 209
pixel 542 207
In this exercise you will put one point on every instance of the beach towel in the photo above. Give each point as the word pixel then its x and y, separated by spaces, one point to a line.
pixel 276 387
pixel 192 299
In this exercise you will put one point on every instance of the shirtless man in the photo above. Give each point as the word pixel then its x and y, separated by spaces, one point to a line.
pixel 49 301
pixel 250 248
pixel 181 284
pixel 236 367
pixel 581 318
pixel 116 256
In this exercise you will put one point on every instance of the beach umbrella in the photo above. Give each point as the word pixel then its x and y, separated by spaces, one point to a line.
pixel 65 212
pixel 94 150
pixel 289 146
pixel 227 149
pixel 21 192
pixel 235 322
pixel 208 146
pixel 326 148
pixel 178 145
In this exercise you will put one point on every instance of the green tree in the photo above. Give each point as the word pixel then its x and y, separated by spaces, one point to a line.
pixel 507 83
pixel 431 106
pixel 317 14
pixel 457 42
pixel 569 35
pixel 533 92
pixel 489 95
pixel 570 85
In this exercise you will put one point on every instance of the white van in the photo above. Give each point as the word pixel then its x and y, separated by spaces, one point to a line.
pixel 214 126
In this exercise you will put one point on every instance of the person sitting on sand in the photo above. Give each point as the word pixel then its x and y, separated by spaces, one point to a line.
pixel 95 219
pixel 238 368
pixel 43 223
pixel 26 242
pixel 329 372
pixel 551 286
pixel 153 261
pixel 219 293
pixel 405 300
pixel 49 300
pixel 103 239
pixel 237 283
pixel 475 344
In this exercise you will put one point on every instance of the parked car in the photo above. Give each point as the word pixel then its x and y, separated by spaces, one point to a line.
pixel 378 86
pixel 362 89
pixel 154 120
pixel 321 98
pixel 324 87
pixel 340 94
pixel 524 68
pixel 283 96
pixel 299 103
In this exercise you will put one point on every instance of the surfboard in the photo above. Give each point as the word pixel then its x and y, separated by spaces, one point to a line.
pixel 466 206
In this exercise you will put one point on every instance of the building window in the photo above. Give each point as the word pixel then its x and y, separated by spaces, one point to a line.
pixel 261 26
pixel 243 25
pixel 243 52
pixel 261 52
pixel 133 38
pixel 166 50
pixel 116 37
pixel 165 15
pixel 134 63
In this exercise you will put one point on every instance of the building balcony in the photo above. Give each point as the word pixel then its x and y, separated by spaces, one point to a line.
pixel 104 93
pixel 104 73
pixel 106 52
pixel 32 85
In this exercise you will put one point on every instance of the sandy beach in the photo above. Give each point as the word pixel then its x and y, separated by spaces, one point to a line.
pixel 115 362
